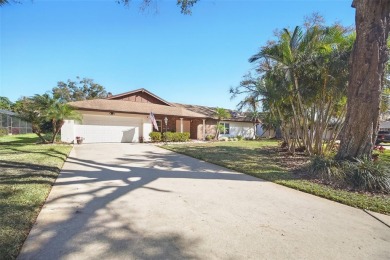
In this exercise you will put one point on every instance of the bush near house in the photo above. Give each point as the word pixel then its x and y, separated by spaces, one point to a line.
pixel 155 136
pixel 176 137
pixel 169 137
pixel 209 137
pixel 3 131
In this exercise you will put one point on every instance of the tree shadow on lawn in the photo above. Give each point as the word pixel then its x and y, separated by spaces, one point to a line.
pixel 23 189
pixel 38 149
pixel 15 221
pixel 27 173
pixel 86 216
pixel 15 139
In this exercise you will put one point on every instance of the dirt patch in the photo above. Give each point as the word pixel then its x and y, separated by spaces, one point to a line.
pixel 293 163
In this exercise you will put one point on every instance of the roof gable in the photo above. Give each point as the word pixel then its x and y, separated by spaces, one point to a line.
pixel 140 95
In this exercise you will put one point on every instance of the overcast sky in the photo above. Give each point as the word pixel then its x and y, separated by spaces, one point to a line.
pixel 186 59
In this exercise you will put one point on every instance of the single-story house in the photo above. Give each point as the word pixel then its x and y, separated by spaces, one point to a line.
pixel 126 118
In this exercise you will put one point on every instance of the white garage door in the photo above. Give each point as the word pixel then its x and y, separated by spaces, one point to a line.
pixel 109 129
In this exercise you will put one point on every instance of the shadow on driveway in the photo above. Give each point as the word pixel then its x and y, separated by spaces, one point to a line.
pixel 89 212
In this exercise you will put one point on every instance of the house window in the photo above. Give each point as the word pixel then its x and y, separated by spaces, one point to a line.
pixel 226 128
pixel 159 124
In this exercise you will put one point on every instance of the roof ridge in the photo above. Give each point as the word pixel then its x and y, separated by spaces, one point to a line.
pixel 139 90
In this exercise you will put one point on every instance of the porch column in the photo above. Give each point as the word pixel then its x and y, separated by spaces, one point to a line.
pixel 204 129
pixel 181 125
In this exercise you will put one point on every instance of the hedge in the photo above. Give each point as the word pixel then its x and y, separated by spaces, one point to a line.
pixel 155 136
pixel 176 137
pixel 169 137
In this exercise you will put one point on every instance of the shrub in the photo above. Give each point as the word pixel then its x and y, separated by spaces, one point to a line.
pixel 176 137
pixel 365 174
pixel 182 137
pixel 235 139
pixel 209 137
pixel 167 136
pixel 223 139
pixel 239 137
pixel 326 168
pixel 361 174
pixel 3 131
pixel 155 136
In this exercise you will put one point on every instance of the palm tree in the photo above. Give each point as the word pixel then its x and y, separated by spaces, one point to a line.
pixel 57 113
pixel 41 109
pixel 220 113
pixel 302 80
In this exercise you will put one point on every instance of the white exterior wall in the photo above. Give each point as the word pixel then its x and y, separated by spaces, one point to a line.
pixel 147 129
pixel 67 132
pixel 265 133
pixel 103 127
pixel 120 127
pixel 244 129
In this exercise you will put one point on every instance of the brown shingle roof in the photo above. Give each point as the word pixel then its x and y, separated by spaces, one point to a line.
pixel 210 112
pixel 139 90
pixel 133 107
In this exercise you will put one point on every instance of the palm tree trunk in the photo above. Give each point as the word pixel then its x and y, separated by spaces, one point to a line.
pixel 36 131
pixel 57 128
pixel 217 132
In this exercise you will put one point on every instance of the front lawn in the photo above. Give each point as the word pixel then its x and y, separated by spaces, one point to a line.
pixel 28 171
pixel 259 159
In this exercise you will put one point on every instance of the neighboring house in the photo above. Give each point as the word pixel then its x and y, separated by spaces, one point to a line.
pixel 125 118
pixel 13 124
pixel 262 133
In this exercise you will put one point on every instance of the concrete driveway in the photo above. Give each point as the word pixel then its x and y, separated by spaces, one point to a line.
pixel 137 201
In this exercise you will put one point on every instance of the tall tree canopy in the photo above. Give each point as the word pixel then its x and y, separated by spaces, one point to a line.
pixel 30 110
pixel 185 5
pixel 5 103
pixel 80 89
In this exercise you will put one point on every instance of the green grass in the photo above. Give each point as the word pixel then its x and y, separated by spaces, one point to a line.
pixel 257 159
pixel 28 171
pixel 19 139
pixel 385 157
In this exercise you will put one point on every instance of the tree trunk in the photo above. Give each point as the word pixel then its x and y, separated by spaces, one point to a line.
pixel 56 130
pixel 217 132
pixel 367 66
pixel 38 133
